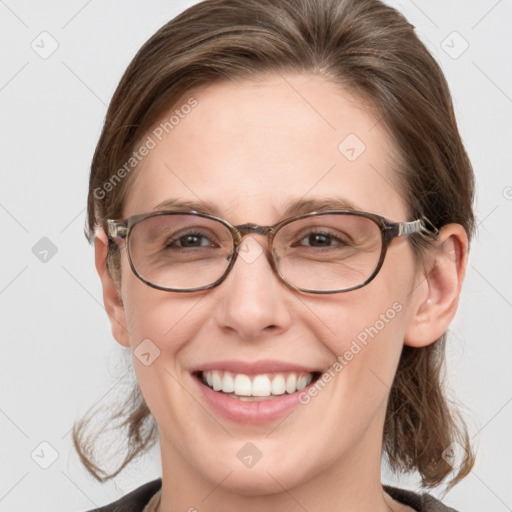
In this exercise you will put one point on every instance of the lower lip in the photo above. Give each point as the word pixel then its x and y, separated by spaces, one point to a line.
pixel 263 411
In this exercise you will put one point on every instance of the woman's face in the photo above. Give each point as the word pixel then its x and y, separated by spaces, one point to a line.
pixel 252 149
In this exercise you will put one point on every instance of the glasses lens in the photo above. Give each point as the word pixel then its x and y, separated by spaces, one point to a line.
pixel 329 252
pixel 180 251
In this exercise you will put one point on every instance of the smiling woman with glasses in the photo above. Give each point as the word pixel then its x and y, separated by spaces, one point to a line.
pixel 281 210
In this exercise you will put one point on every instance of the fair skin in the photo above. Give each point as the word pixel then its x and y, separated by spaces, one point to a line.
pixel 250 148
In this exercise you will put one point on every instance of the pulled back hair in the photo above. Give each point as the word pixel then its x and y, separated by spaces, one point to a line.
pixel 368 49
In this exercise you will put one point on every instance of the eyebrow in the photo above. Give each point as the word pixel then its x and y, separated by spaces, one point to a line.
pixel 291 207
pixel 312 205
pixel 178 204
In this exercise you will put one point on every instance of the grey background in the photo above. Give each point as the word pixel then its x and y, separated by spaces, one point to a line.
pixel 58 356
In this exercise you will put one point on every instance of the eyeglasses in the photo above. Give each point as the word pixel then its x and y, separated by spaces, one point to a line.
pixel 328 251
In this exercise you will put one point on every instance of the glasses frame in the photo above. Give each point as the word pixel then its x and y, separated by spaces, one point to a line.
pixel 119 233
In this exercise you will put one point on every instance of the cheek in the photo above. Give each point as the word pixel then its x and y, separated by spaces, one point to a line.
pixel 369 332
pixel 160 325
pixel 155 314
pixel 364 330
pixel 358 318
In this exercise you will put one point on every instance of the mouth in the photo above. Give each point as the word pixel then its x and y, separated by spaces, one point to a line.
pixel 256 387
pixel 257 392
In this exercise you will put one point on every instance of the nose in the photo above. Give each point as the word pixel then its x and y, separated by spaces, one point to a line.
pixel 253 300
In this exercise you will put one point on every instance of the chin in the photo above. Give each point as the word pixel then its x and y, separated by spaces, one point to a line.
pixel 252 482
pixel 265 477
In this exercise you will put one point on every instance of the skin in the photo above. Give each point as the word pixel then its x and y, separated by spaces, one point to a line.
pixel 249 148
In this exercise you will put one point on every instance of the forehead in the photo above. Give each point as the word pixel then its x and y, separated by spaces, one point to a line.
pixel 252 148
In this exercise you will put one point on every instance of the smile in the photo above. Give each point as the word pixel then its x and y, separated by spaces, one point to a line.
pixel 253 392
pixel 257 387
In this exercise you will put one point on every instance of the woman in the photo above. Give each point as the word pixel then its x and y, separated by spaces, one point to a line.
pixel 281 207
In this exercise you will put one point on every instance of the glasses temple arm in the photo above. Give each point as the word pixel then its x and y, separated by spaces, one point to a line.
pixel 422 226
pixel 116 229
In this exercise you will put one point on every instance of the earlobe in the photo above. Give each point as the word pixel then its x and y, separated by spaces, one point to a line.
pixel 435 299
pixel 111 293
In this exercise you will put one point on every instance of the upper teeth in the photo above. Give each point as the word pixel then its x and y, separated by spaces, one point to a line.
pixel 256 385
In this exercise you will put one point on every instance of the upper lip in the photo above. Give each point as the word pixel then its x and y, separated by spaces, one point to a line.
pixel 255 367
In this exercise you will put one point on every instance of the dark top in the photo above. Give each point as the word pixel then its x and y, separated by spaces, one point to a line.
pixel 136 500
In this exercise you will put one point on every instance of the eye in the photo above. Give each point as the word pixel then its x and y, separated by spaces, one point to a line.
pixel 191 239
pixel 320 238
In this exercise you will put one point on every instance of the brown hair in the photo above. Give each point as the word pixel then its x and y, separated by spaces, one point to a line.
pixel 369 49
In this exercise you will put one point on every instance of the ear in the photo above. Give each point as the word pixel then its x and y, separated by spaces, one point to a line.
pixel 111 293
pixel 435 298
